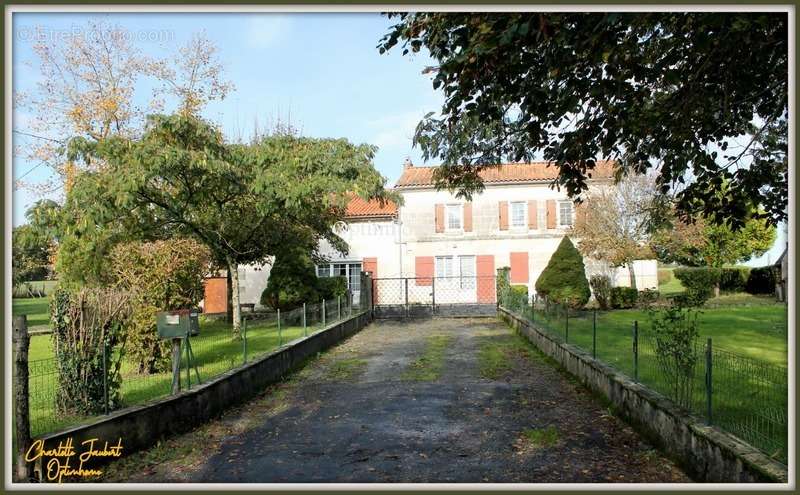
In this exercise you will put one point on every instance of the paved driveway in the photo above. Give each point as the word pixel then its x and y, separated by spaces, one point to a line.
pixel 445 400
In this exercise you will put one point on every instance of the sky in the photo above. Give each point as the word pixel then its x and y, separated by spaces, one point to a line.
pixel 321 71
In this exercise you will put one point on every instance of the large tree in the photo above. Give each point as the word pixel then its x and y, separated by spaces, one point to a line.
pixel 700 96
pixel 615 222
pixel 243 202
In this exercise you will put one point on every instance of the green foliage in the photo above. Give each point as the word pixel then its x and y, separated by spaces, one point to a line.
pixel 564 277
pixel 624 297
pixel 648 88
pixel 699 283
pixel 601 287
pixel 734 279
pixel 502 283
pixel 84 322
pixel 664 276
pixel 30 255
pixel 330 288
pixel 292 280
pixel 160 276
pixel 761 281
pixel 675 334
pixel 647 297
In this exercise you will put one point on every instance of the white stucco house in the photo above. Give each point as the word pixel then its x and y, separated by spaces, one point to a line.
pixel 517 221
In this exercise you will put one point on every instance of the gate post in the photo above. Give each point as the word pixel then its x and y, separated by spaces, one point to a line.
pixel 21 341
pixel 433 295
pixel 406 283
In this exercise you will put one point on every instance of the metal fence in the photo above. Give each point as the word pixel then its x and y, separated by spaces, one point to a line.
pixel 214 351
pixel 742 395
pixel 410 297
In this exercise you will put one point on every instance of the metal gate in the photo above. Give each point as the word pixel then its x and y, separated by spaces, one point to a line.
pixel 420 297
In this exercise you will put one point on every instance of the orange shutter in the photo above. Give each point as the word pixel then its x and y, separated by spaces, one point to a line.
pixel 467 217
pixel 370 265
pixel 519 268
pixel 215 298
pixel 551 213
pixel 503 215
pixel 486 281
pixel 423 269
pixel 439 218
pixel 533 213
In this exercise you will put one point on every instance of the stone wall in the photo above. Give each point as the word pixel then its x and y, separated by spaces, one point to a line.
pixel 705 452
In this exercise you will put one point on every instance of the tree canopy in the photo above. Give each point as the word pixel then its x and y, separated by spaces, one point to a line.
pixel 701 96
pixel 243 202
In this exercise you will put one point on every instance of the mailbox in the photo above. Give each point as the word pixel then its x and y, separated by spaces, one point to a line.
pixel 178 324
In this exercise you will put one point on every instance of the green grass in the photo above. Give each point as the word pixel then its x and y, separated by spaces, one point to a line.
pixel 215 352
pixel 428 367
pixel 37 310
pixel 673 286
pixel 541 437
pixel 346 368
pixel 497 353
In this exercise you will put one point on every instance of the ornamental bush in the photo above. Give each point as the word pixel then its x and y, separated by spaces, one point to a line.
pixel 160 275
pixel 564 278
pixel 601 286
pixel 761 281
pixel 84 323
pixel 292 281
pixel 699 283
pixel 623 297
pixel 734 279
pixel 330 288
pixel 646 297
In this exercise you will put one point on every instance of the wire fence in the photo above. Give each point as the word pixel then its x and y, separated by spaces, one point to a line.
pixel 409 297
pixel 744 396
pixel 215 350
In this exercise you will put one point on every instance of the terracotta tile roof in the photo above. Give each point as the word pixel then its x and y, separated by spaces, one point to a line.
pixel 509 172
pixel 359 208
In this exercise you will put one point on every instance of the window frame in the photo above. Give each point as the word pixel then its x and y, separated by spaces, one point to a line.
pixel 459 209
pixel 524 206
pixel 561 224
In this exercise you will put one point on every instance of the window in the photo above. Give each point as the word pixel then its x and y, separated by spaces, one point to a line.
pixel 466 265
pixel 454 217
pixel 565 213
pixel 350 271
pixel 444 266
pixel 323 271
pixel 355 276
pixel 518 214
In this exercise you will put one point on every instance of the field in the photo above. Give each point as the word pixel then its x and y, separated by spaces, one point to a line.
pixel 36 308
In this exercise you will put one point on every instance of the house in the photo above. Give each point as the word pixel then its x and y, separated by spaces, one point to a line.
pixel 436 238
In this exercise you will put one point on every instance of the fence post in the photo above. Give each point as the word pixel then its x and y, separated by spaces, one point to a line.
pixel 21 409
pixel 305 329
pixel 244 341
pixel 566 322
pixel 533 308
pixel 323 313
pixel 105 375
pixel 636 350
pixel 709 382
pixel 433 295
pixel 280 337
pixel 176 365
pixel 338 307
pixel 406 283
pixel 594 333
pixel 349 303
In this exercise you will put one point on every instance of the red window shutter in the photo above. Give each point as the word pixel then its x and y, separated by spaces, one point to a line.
pixel 467 217
pixel 533 213
pixel 215 298
pixel 423 269
pixel 370 265
pixel 551 213
pixel 486 281
pixel 439 217
pixel 519 268
pixel 503 215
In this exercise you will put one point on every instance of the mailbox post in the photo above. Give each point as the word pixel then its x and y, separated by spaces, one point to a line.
pixel 177 326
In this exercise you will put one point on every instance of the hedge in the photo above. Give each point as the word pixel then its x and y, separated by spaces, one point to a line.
pixel 761 281
pixel 623 297
pixel 734 279
pixel 699 282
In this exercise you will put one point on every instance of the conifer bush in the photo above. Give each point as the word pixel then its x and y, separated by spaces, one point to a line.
pixel 564 278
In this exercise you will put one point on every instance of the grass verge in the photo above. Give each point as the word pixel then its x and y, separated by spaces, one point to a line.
pixel 428 367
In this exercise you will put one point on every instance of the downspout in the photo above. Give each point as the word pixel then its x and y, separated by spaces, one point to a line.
pixel 400 241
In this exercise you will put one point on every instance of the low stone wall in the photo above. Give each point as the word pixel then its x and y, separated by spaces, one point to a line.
pixel 143 425
pixel 705 452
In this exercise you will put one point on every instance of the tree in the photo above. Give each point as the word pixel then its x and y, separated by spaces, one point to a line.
pixel 664 90
pixel 615 222
pixel 243 202
pixel 30 255
pixel 564 277
pixel 292 279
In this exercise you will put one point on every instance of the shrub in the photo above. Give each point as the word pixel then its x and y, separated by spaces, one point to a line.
pixel 699 283
pixel 330 288
pixel 664 276
pixel 623 297
pixel 675 335
pixel 84 322
pixel 647 297
pixel 160 275
pixel 292 281
pixel 761 281
pixel 502 283
pixel 601 286
pixel 734 279
pixel 564 277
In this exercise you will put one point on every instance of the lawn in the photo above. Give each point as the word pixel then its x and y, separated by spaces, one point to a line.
pixel 749 336
pixel 36 308
pixel 215 352
pixel 673 286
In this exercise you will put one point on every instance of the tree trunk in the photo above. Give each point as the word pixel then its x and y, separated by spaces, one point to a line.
pixel 632 274
pixel 233 271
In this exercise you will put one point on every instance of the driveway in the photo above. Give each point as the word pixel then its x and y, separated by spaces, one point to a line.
pixel 442 400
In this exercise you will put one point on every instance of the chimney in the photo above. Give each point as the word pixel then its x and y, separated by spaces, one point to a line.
pixel 407 163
